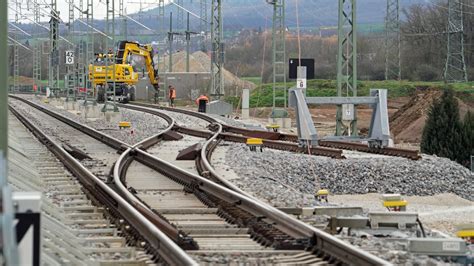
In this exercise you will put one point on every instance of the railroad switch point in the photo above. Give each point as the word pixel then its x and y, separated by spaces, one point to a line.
pixel 322 195
pixel 254 143
pixel 394 202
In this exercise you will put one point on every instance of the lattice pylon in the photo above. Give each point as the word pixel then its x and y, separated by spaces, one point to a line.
pixel 392 41
pixel 279 60
pixel 347 60
pixel 455 69
pixel 217 60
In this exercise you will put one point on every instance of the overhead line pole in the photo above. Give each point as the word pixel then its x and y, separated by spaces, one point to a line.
pixel 16 63
pixel 279 60
pixel 217 46
pixel 188 42
pixel 71 77
pixel 455 69
pixel 7 232
pixel 392 41
pixel 54 50
pixel 347 61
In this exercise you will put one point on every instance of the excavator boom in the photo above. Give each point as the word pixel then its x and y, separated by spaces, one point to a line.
pixel 127 48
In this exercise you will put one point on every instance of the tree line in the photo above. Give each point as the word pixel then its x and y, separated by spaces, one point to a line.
pixel 423 48
pixel 445 134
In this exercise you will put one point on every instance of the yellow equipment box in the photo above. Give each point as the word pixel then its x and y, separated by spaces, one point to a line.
pixel 254 141
pixel 124 124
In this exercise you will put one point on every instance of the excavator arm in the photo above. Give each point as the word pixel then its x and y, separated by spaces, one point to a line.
pixel 127 48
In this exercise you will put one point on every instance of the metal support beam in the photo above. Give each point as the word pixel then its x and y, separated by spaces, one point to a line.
pixel 89 12
pixel 16 63
pixel 37 49
pixel 3 81
pixel 110 58
pixel 7 232
pixel 279 59
pixel 179 15
pixel 347 60
pixel 392 41
pixel 71 77
pixel 53 73
pixel 124 19
pixel 307 134
pixel 203 28
pixel 341 100
pixel 455 69
pixel 188 42
pixel 171 35
pixel 217 59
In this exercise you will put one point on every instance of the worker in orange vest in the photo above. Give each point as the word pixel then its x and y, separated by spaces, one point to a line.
pixel 201 101
pixel 172 95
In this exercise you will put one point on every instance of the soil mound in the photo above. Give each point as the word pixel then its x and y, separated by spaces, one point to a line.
pixel 408 122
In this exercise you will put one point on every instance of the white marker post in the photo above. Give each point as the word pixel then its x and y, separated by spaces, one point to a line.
pixel 301 82
pixel 245 103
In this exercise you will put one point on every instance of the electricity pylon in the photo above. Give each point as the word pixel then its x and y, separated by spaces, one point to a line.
pixel 392 41
pixel 455 69
pixel 217 60
pixel 279 59
pixel 347 60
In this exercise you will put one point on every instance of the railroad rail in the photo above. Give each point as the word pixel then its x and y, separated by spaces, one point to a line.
pixel 280 141
pixel 269 225
pixel 165 249
pixel 232 136
pixel 245 202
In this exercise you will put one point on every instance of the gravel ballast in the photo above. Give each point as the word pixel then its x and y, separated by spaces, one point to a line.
pixel 143 125
pixel 274 175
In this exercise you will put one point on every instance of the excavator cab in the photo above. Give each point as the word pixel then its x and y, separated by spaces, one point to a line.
pixel 119 76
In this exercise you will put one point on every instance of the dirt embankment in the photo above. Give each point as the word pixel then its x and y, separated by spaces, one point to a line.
pixel 408 122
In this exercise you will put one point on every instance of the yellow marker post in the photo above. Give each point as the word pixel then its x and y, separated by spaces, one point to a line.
pixel 394 202
pixel 124 124
pixel 466 232
pixel 253 143
pixel 273 127
pixel 322 195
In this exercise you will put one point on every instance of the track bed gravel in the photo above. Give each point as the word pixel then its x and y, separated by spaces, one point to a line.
pixel 290 179
pixel 143 125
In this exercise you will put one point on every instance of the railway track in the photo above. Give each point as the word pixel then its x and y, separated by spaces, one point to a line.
pixel 234 136
pixel 70 221
pixel 254 223
pixel 139 229
pixel 281 141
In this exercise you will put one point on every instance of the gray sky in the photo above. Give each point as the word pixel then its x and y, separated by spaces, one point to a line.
pixel 99 8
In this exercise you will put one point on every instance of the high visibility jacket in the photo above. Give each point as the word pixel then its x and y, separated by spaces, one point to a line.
pixel 202 97
pixel 172 93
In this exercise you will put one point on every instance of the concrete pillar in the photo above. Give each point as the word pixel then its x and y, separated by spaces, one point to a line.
pixel 245 103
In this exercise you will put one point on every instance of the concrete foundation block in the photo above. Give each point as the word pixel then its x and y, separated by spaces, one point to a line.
pixel 111 116
pixel 245 113
pixel 282 122
pixel 90 112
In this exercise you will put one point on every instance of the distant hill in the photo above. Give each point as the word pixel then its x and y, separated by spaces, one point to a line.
pixel 313 13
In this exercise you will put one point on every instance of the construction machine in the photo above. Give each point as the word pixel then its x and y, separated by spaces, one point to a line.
pixel 121 76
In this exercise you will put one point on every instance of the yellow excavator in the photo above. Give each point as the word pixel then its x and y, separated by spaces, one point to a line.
pixel 125 78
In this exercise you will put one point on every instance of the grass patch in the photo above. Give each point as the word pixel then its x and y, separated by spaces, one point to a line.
pixel 255 80
pixel 262 96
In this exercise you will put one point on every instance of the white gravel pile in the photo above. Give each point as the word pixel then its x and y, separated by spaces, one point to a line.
pixel 143 125
pixel 287 178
